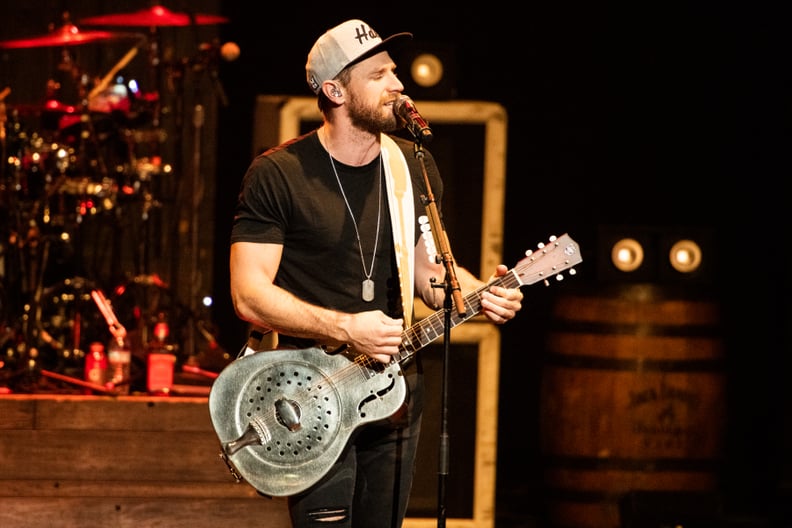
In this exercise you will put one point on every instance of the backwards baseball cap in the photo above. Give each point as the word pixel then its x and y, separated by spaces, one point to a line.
pixel 343 45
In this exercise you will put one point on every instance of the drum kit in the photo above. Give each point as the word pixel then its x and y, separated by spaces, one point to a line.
pixel 81 176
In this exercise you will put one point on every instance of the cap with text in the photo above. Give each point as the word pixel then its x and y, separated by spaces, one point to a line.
pixel 343 45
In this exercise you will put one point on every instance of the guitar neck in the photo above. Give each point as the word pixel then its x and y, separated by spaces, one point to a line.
pixel 549 260
pixel 432 327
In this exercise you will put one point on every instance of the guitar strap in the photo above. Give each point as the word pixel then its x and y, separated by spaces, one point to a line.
pixel 402 213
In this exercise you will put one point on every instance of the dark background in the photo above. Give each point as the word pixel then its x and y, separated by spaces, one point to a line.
pixel 669 117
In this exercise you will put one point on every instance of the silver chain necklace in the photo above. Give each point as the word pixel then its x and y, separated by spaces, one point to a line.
pixel 367 291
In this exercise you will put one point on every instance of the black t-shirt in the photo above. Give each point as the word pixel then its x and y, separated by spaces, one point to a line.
pixel 290 196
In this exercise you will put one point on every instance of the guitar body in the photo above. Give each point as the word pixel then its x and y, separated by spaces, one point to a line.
pixel 283 417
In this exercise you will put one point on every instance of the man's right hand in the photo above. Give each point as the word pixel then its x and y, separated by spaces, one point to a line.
pixel 374 334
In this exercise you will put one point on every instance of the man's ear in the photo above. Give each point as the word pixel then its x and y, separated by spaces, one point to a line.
pixel 331 90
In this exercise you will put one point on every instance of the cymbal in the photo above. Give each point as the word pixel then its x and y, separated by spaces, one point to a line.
pixel 67 35
pixel 151 17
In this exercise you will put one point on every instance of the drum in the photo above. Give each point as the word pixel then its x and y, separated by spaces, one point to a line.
pixel 66 321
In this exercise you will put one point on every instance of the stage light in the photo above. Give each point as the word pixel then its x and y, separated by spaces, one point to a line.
pixel 685 256
pixel 656 254
pixel 430 71
pixel 427 70
pixel 627 254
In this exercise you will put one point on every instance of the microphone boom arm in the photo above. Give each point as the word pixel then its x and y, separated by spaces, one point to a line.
pixel 440 236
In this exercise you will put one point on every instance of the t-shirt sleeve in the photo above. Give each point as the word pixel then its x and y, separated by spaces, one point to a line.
pixel 261 209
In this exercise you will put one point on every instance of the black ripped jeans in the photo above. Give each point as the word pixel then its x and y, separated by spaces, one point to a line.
pixel 369 485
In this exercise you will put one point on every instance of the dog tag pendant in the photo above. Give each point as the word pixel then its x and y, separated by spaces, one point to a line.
pixel 368 290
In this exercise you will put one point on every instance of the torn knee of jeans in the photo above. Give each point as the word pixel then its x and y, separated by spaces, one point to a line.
pixel 329 515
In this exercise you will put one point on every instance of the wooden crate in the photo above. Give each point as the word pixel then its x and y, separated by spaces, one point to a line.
pixel 85 461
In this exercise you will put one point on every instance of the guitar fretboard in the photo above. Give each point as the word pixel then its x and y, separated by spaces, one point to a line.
pixel 525 272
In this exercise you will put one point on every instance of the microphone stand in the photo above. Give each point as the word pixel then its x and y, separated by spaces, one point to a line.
pixel 452 293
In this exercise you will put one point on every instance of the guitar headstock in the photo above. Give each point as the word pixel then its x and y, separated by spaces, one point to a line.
pixel 548 260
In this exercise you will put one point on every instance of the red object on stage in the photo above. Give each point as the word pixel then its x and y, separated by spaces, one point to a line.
pixel 153 17
pixel 95 365
pixel 67 35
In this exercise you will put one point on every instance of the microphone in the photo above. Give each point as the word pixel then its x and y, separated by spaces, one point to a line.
pixel 408 116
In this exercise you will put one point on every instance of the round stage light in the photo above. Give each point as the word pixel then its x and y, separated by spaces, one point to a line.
pixel 627 254
pixel 685 256
pixel 426 70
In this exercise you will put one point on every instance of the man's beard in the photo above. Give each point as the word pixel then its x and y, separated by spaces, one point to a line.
pixel 370 119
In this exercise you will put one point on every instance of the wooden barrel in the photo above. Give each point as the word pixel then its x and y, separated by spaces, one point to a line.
pixel 632 399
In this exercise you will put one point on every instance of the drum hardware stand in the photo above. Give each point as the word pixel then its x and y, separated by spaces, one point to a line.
pixel 199 65
pixel 31 328
pixel 155 62
pixel 197 196
pixel 197 200
pixel 3 154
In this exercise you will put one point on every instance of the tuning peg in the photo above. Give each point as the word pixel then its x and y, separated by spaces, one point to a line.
pixel 558 277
